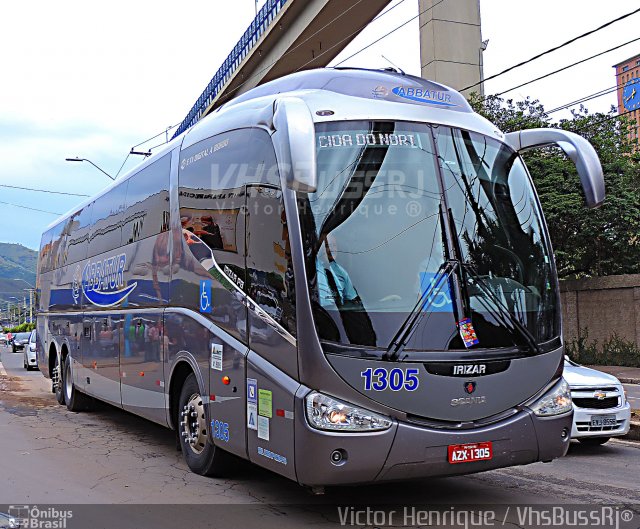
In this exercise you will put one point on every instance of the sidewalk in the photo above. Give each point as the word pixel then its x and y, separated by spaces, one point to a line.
pixel 626 375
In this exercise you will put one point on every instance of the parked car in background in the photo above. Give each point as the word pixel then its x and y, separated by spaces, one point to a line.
pixel 601 410
pixel 20 341
pixel 30 360
pixel 3 339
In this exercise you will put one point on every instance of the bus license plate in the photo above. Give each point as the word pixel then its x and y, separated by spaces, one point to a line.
pixel 470 452
pixel 603 420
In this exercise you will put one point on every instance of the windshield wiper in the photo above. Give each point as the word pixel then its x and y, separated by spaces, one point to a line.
pixel 499 310
pixel 410 324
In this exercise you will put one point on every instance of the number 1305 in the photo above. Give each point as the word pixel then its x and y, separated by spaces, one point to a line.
pixel 396 379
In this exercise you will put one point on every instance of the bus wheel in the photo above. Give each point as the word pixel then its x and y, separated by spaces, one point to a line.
pixel 201 455
pixel 75 400
pixel 57 380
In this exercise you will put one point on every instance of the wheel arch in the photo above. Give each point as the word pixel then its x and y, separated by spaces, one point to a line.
pixel 184 365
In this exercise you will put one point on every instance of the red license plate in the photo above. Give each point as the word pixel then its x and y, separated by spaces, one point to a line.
pixel 470 452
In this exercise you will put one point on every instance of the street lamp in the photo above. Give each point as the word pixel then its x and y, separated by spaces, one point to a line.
pixel 85 160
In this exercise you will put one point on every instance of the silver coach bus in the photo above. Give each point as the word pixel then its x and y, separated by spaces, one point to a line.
pixel 343 276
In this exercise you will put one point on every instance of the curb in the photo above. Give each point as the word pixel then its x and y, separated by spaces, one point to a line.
pixel 634 432
pixel 629 380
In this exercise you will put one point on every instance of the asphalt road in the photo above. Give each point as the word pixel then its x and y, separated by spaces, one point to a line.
pixel 49 455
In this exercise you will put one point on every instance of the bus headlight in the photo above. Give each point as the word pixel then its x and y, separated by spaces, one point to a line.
pixel 554 402
pixel 327 413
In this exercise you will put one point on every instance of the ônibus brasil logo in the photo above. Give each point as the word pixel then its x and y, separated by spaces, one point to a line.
pixel 103 281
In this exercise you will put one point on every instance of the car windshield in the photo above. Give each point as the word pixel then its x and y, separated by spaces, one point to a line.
pixel 22 336
pixel 394 203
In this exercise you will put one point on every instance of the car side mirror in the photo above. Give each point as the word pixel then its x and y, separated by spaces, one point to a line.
pixel 579 150
pixel 294 143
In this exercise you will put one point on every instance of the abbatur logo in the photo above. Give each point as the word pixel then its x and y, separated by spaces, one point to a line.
pixel 103 281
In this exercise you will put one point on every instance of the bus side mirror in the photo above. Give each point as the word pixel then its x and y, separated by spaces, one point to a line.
pixel 575 147
pixel 294 140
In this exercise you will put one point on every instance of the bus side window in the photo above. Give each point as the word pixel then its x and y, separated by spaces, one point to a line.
pixel 44 263
pixel 78 226
pixel 106 222
pixel 147 203
pixel 268 252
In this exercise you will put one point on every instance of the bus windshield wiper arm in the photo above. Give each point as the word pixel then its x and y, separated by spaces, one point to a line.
pixel 500 309
pixel 419 310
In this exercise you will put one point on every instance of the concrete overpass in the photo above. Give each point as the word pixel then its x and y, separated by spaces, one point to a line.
pixel 292 35
pixel 286 36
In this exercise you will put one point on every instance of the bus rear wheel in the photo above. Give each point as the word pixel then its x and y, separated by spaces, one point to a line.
pixel 75 400
pixel 202 457
pixel 57 379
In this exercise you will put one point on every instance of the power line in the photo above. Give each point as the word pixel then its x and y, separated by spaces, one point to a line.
pixel 568 66
pixel 595 95
pixel 32 209
pixel 550 50
pixel 45 191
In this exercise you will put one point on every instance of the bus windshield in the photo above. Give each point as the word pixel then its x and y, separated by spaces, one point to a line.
pixel 397 202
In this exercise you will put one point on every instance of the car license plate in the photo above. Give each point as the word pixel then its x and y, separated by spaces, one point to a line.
pixel 470 452
pixel 603 420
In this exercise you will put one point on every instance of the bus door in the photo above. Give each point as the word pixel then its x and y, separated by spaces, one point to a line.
pixel 272 361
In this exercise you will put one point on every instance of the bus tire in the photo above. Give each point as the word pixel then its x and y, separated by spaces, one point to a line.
pixel 202 457
pixel 58 385
pixel 75 400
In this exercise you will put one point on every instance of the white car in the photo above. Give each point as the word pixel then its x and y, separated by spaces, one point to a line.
pixel 601 410
pixel 30 360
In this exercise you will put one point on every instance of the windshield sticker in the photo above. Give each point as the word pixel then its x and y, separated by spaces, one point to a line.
pixel 103 281
pixel 361 139
pixel 439 301
pixel 396 379
pixel 468 333
pixel 424 95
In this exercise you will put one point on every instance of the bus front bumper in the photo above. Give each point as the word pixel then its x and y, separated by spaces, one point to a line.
pixel 409 450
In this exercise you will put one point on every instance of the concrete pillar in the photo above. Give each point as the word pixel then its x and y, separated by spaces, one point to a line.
pixel 451 43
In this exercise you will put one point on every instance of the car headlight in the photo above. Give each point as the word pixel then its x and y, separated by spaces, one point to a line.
pixel 327 413
pixel 554 402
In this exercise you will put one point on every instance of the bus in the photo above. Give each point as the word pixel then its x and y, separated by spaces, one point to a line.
pixel 343 276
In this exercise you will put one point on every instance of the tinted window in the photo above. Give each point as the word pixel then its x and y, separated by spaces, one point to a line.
pixel 44 264
pixel 269 266
pixel 147 203
pixel 228 161
pixel 107 221
pixel 77 227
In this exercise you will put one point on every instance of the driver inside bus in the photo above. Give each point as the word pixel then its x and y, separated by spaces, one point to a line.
pixel 334 284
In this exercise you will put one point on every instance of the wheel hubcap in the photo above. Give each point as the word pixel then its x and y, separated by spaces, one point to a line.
pixel 194 425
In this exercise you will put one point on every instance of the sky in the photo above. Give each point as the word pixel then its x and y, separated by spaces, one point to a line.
pixel 93 80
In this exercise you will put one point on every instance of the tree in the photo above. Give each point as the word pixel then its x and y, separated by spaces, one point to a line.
pixel 599 242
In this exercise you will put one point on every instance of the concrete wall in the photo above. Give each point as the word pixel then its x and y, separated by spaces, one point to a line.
pixel 604 305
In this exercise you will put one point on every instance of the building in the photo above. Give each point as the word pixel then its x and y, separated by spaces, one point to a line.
pixel 628 83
